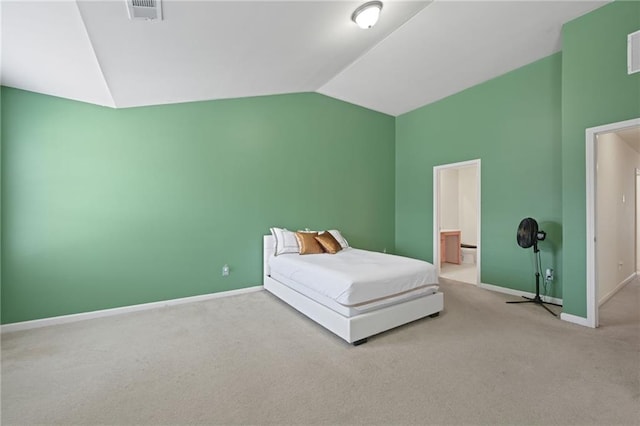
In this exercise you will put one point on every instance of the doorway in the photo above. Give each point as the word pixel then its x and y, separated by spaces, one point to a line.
pixel 612 242
pixel 456 220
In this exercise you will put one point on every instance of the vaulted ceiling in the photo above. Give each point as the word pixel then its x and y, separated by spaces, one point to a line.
pixel 418 53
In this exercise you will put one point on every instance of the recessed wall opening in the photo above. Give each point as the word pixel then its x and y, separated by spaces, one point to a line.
pixel 613 166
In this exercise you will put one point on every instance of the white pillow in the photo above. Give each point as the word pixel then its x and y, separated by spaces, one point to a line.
pixel 338 236
pixel 286 241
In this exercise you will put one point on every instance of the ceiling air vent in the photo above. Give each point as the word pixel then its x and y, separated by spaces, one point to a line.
pixel 633 52
pixel 144 9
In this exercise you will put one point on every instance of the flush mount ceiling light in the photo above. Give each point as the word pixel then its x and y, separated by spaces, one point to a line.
pixel 367 15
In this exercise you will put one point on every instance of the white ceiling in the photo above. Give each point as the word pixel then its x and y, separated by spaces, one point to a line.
pixel 631 136
pixel 419 52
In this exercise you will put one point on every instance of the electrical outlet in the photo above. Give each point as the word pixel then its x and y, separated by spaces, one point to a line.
pixel 548 274
pixel 225 270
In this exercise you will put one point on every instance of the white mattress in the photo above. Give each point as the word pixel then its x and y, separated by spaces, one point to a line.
pixel 352 276
pixel 352 311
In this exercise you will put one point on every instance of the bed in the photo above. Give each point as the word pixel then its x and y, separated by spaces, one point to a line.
pixel 352 313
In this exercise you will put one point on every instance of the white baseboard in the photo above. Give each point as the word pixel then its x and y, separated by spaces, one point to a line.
pixel 519 293
pixel 617 289
pixel 563 316
pixel 575 319
pixel 64 319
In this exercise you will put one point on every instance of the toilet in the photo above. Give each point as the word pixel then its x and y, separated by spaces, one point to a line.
pixel 468 253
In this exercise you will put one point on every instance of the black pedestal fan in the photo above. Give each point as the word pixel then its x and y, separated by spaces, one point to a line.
pixel 528 236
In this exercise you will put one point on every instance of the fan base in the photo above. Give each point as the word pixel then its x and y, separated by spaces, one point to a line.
pixel 537 300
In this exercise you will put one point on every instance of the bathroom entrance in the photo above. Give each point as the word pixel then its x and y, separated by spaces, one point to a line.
pixel 456 244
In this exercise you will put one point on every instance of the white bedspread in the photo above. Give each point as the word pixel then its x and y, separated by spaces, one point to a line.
pixel 353 276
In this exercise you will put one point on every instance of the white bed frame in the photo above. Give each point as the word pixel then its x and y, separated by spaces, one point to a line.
pixel 355 329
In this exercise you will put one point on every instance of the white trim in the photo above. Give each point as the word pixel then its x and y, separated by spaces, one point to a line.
pixel 592 306
pixel 436 211
pixel 617 289
pixel 64 319
pixel 590 157
pixel 513 292
pixel 575 319
pixel 436 219
pixel 635 222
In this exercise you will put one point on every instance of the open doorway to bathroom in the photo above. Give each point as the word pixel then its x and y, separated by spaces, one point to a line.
pixel 457 221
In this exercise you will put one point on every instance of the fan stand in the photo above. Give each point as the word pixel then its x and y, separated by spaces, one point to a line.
pixel 536 299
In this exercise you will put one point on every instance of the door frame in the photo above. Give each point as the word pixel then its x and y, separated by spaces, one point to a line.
pixel 591 135
pixel 436 211
pixel 637 221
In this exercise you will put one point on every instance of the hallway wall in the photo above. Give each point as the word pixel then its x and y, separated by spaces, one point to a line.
pixel 468 204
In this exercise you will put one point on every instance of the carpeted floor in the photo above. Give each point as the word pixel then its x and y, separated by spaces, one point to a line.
pixel 251 359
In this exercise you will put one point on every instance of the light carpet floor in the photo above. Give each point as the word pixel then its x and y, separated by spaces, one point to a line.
pixel 251 359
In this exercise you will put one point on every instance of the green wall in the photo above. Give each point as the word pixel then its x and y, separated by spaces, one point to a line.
pixel 528 128
pixel 105 208
pixel 512 124
pixel 596 90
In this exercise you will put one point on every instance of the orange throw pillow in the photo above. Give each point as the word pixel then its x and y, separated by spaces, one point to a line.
pixel 308 243
pixel 328 242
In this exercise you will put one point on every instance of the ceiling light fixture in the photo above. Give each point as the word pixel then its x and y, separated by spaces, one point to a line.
pixel 367 15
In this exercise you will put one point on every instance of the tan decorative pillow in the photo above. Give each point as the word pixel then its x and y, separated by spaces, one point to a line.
pixel 308 243
pixel 328 242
